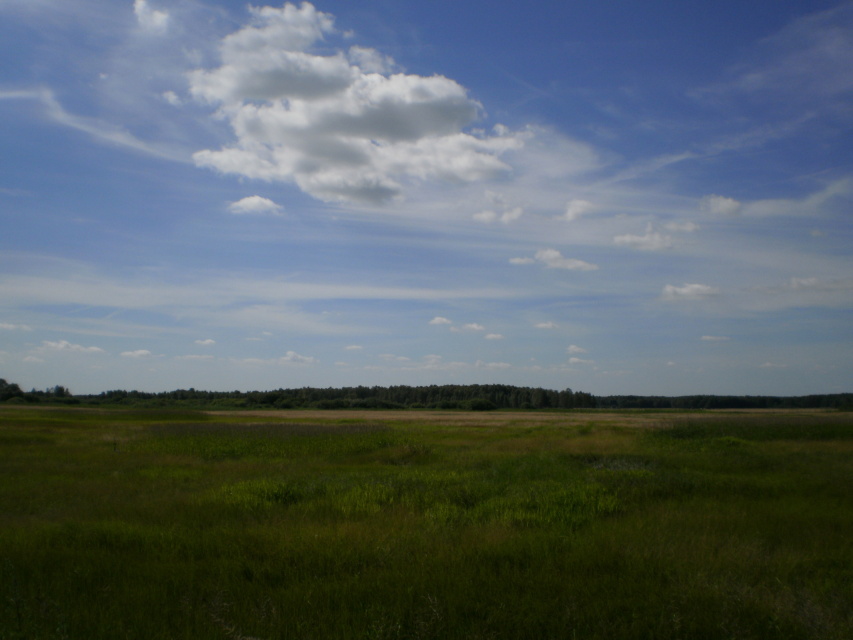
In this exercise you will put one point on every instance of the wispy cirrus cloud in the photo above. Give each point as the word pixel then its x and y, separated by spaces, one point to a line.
pixel 49 346
pixel 97 128
pixel 7 326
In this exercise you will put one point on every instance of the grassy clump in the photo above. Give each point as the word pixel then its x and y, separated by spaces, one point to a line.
pixel 188 525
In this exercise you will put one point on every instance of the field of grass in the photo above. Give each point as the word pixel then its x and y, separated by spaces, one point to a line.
pixel 383 525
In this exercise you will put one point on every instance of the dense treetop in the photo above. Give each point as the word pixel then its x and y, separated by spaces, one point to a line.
pixel 473 397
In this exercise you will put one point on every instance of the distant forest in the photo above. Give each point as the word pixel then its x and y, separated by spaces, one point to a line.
pixel 472 397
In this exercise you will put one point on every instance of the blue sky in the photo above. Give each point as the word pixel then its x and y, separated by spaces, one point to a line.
pixel 635 197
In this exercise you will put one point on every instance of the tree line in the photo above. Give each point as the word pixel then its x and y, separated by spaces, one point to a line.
pixel 472 397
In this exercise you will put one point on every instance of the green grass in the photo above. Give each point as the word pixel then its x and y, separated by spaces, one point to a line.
pixel 165 524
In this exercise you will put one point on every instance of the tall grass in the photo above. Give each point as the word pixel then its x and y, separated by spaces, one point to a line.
pixel 187 525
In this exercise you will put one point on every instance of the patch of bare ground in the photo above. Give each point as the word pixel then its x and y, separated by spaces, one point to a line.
pixel 459 418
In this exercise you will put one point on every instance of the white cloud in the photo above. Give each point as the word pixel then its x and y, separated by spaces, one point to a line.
pixel 553 259
pixel 206 343
pixel 493 366
pixel 546 325
pixel 506 217
pixel 370 60
pixel 140 353
pixel 440 320
pixel 720 205
pixel 689 292
pixel 494 336
pixel 521 260
pixel 580 361
pixel 686 227
pixel 500 210
pixel 97 128
pixel 291 357
pixel 816 284
pixel 14 327
pixel 390 357
pixel 64 345
pixel 577 208
pixel 575 349
pixel 194 357
pixel 715 338
pixel 811 205
pixel 353 347
pixel 172 98
pixel 254 205
pixel 473 326
pixel 149 19
pixel 338 131
pixel 808 61
pixel 651 241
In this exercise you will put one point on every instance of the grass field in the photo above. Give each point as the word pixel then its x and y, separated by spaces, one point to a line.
pixel 167 524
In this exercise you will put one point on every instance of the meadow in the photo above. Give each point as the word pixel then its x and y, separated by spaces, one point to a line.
pixel 403 524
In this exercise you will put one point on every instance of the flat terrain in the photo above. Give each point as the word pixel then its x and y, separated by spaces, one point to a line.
pixel 405 524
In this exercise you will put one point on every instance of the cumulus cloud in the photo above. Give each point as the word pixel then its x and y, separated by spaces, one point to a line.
pixel 370 60
pixel 553 259
pixel 353 347
pixel 494 336
pixel 580 361
pixel 254 205
pixel 172 98
pixel 720 205
pixel 291 357
pixel 473 326
pixel 150 20
pixel 575 349
pixel 577 208
pixel 546 325
pixel 651 241
pixel 206 343
pixel 139 353
pixel 440 320
pixel 340 126
pixel 689 292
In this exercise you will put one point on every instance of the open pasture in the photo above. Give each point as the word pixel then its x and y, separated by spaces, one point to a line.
pixel 404 524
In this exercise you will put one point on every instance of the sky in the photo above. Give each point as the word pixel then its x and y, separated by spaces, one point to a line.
pixel 636 197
